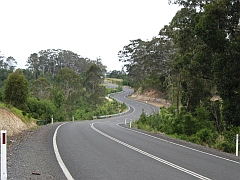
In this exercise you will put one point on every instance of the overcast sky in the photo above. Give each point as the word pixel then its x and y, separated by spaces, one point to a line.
pixel 90 28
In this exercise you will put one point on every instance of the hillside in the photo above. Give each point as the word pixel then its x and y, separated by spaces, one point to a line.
pixel 12 123
pixel 152 97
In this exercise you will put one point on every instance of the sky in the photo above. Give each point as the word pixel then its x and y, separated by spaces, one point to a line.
pixel 90 28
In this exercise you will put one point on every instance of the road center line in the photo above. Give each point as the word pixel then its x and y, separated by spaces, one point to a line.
pixel 59 159
pixel 151 156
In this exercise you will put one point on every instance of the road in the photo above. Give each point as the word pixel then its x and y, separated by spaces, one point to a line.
pixel 103 149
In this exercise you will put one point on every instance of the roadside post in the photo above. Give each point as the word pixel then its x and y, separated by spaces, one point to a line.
pixel 52 119
pixel 125 121
pixel 72 118
pixel 3 154
pixel 130 125
pixel 237 145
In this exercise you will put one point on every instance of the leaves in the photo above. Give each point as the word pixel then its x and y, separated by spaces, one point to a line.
pixel 16 89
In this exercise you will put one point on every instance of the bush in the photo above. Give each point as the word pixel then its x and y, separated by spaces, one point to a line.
pixel 207 136
pixel 24 113
pixel 229 142
pixel 40 109
pixel 1 95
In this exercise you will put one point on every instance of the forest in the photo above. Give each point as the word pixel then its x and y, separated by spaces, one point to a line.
pixel 194 61
pixel 57 83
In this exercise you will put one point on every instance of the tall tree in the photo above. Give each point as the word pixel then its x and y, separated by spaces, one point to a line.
pixel 68 81
pixel 219 29
pixel 41 89
pixel 33 64
pixel 94 78
pixel 12 63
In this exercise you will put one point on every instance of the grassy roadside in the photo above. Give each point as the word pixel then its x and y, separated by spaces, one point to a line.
pixel 19 113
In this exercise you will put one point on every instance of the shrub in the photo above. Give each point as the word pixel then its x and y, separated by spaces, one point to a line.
pixel 24 113
pixel 207 136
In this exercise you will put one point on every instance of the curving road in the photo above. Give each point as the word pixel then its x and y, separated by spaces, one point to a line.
pixel 102 149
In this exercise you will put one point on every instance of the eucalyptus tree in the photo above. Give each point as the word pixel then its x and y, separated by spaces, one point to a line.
pixel 33 64
pixel 215 30
pixel 41 89
pixel 69 83
pixel 51 61
pixel 11 63
pixel 147 62
pixel 4 70
pixel 94 78
pixel 132 56
pixel 1 61
pixel 219 28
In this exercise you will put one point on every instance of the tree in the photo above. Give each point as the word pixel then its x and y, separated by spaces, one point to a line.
pixel 11 62
pixel 1 61
pixel 94 78
pixel 16 89
pixel 33 64
pixel 219 29
pixel 41 89
pixel 68 81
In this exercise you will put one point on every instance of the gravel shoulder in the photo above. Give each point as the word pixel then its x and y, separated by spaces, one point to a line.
pixel 31 155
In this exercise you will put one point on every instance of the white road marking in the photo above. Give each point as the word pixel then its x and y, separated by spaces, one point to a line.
pixel 151 156
pixel 59 159
pixel 180 145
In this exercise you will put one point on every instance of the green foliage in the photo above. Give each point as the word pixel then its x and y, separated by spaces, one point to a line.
pixel 1 95
pixel 197 127
pixel 94 78
pixel 86 112
pixel 40 109
pixel 16 89
pixel 57 96
pixel 229 142
pixel 3 76
pixel 218 28
pixel 113 90
pixel 40 88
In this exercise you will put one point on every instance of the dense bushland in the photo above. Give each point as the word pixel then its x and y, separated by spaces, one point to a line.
pixel 195 127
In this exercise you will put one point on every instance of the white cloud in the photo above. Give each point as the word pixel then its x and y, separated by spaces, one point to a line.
pixel 90 28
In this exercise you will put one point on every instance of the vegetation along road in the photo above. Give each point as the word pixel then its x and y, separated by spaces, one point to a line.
pixel 107 149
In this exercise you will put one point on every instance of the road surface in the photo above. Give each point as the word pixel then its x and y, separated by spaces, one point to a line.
pixel 103 149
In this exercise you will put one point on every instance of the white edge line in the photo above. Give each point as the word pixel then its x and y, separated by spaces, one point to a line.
pixel 181 145
pixel 59 159
pixel 151 156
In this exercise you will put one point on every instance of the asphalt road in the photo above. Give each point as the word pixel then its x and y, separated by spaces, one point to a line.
pixel 103 149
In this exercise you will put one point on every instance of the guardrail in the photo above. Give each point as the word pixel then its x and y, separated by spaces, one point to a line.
pixel 114 115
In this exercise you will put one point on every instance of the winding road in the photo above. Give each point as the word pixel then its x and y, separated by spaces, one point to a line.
pixel 104 149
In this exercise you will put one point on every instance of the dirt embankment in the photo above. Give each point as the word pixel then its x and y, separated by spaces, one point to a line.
pixel 152 97
pixel 12 123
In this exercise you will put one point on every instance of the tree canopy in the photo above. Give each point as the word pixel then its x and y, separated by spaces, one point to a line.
pixel 193 59
pixel 16 89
